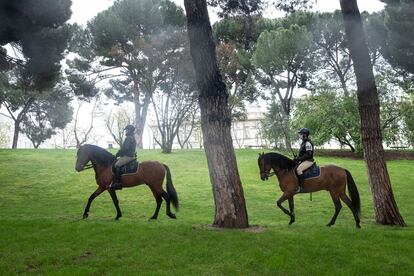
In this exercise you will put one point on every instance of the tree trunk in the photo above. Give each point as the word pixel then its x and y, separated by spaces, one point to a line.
pixel 16 134
pixel 139 132
pixel 286 127
pixel 228 194
pixel 386 210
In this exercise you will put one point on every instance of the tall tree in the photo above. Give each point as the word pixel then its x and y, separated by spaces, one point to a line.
pixel 127 43
pixel 386 210
pixel 215 121
pixel 174 102
pixel 331 50
pixel 49 112
pixel 281 58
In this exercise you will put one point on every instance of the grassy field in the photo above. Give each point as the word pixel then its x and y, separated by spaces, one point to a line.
pixel 41 231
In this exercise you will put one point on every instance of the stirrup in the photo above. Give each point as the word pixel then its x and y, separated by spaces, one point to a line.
pixel 115 186
pixel 299 190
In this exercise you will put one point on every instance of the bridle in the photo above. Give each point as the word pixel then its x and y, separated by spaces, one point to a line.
pixel 262 172
pixel 87 167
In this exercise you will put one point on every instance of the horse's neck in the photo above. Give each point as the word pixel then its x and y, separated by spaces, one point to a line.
pixel 103 174
pixel 283 174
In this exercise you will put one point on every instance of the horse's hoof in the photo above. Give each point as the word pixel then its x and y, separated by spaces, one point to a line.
pixel 291 222
pixel 358 226
pixel 85 216
pixel 153 218
pixel 329 224
pixel 171 215
pixel 117 217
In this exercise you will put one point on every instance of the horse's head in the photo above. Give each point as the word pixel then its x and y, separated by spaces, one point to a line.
pixel 264 166
pixel 82 158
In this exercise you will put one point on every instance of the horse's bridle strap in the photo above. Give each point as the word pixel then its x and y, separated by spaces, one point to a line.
pixel 87 167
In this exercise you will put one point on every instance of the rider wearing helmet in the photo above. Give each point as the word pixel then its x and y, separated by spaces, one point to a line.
pixel 126 154
pixel 305 157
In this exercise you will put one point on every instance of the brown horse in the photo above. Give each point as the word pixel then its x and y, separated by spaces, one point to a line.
pixel 151 173
pixel 332 178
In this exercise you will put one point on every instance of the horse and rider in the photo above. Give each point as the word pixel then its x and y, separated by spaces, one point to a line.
pixel 291 177
pixel 108 174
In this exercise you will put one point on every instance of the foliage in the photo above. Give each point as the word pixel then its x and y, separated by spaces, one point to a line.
pixel 116 121
pixel 127 44
pixel 292 6
pixel 282 60
pixel 329 115
pixel 36 30
pixel 34 109
pixel 49 112
pixel 407 108
pixel 175 103
pixel 399 49
pixel 272 127
pixel 4 134
pixel 237 7
pixel 52 238
pixel 330 51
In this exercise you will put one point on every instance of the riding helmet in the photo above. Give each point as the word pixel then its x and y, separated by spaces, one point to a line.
pixel 129 128
pixel 304 131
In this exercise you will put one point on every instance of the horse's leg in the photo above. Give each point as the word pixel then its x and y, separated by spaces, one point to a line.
pixel 116 203
pixel 158 199
pixel 338 207
pixel 167 200
pixel 292 209
pixel 91 198
pixel 279 204
pixel 348 202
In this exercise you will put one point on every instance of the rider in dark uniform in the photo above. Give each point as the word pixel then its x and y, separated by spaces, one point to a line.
pixel 305 157
pixel 126 154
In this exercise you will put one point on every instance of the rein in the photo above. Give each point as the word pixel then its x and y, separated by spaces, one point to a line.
pixel 87 167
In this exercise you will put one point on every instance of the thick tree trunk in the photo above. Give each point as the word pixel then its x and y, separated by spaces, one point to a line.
pixel 215 121
pixel 141 110
pixel 386 210
pixel 16 134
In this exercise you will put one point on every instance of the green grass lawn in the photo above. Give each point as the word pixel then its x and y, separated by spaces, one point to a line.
pixel 41 231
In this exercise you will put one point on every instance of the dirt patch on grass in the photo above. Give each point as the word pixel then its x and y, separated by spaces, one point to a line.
pixel 85 255
pixel 30 267
pixel 250 229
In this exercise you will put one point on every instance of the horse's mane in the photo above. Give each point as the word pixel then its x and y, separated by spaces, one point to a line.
pixel 280 160
pixel 102 156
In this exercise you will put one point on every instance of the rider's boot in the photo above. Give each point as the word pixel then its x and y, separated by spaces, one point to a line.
pixel 301 179
pixel 116 182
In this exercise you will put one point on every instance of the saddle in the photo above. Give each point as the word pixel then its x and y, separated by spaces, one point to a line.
pixel 128 168
pixel 313 171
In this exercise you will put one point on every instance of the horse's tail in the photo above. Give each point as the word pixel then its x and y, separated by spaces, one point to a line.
pixel 171 190
pixel 353 192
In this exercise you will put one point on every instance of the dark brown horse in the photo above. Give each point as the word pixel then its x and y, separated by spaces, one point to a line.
pixel 332 178
pixel 151 173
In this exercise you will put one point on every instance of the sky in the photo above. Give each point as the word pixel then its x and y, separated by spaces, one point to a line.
pixel 83 10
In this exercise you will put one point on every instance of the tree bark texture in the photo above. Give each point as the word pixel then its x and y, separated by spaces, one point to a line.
pixel 141 110
pixel 16 134
pixel 386 210
pixel 215 121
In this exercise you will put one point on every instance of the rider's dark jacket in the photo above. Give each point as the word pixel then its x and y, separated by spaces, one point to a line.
pixel 306 151
pixel 128 147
